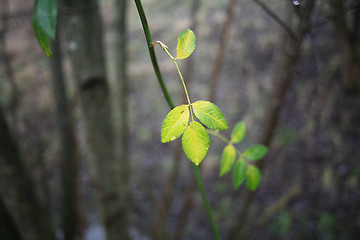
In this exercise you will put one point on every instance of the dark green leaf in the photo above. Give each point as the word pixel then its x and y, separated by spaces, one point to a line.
pixel 239 173
pixel 255 152
pixel 44 22
pixel 43 39
pixel 253 177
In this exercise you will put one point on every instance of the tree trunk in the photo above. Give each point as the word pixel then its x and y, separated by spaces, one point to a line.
pixel 18 193
pixel 83 28
pixel 13 101
pixel 121 111
pixel 71 220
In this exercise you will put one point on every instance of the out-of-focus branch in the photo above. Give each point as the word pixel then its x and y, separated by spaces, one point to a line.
pixel 330 17
pixel 276 18
pixel 287 58
pixel 17 14
pixel 214 78
pixel 279 204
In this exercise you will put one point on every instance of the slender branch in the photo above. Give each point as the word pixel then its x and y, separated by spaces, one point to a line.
pixel 206 202
pixel 152 53
pixel 220 52
pixel 330 17
pixel 276 18
pixel 171 105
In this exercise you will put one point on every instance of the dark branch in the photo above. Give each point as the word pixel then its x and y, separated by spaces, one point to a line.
pixel 276 18
pixel 332 16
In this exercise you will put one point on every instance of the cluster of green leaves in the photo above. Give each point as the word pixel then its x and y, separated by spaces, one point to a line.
pixel 44 22
pixel 195 138
pixel 180 120
pixel 242 168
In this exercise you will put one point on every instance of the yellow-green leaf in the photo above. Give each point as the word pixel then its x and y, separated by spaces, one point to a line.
pixel 175 123
pixel 238 133
pixel 239 173
pixel 253 177
pixel 195 142
pixel 227 159
pixel 210 115
pixel 186 44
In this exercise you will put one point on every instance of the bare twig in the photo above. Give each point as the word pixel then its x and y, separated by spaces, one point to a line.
pixel 279 204
pixel 214 78
pixel 276 18
pixel 330 17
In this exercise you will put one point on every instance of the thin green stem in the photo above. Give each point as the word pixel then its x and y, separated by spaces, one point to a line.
pixel 152 53
pixel 171 105
pixel 206 202
pixel 183 82
pixel 165 48
pixel 218 135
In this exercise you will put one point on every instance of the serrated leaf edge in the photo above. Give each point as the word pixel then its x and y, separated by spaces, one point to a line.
pixel 222 115
pixel 183 56
pixel 173 127
pixel 186 152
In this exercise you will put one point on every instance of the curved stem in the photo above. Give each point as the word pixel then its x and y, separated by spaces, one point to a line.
pixel 171 105
pixel 152 53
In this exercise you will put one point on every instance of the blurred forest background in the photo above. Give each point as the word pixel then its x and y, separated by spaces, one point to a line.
pixel 80 150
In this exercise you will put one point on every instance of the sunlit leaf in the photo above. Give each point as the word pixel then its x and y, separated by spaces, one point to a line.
pixel 255 152
pixel 175 123
pixel 227 159
pixel 186 44
pixel 238 133
pixel 239 173
pixel 210 115
pixel 195 142
pixel 253 177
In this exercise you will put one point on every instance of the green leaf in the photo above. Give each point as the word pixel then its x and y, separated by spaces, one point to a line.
pixel 227 159
pixel 238 133
pixel 195 142
pixel 186 44
pixel 210 115
pixel 255 152
pixel 175 123
pixel 239 173
pixel 45 15
pixel 253 177
pixel 44 22
pixel 42 38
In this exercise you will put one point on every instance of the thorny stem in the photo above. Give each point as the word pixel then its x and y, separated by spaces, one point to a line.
pixel 171 105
